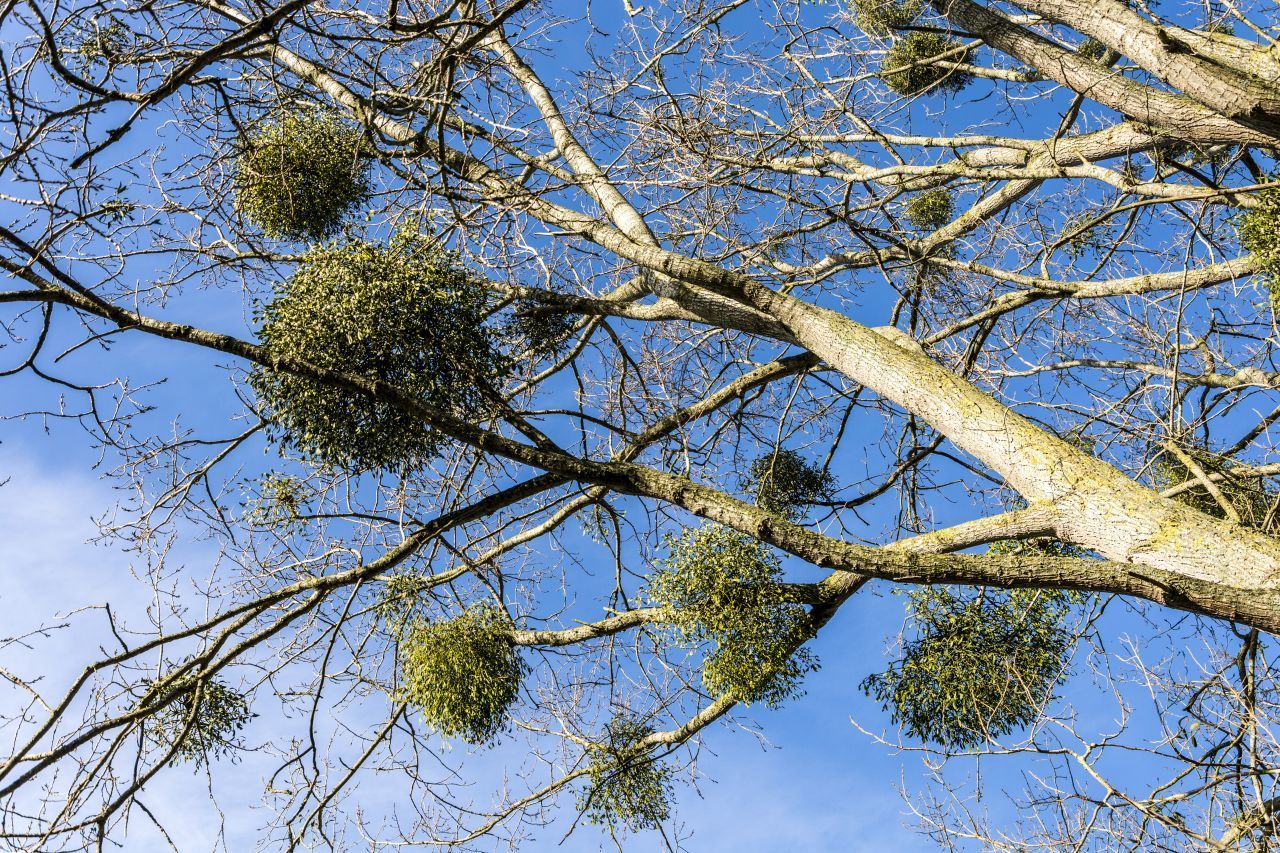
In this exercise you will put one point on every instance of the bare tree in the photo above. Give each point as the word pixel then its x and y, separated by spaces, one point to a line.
pixel 573 335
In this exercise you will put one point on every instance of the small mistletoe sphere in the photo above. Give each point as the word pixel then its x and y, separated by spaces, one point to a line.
pixel 982 663
pixel 202 723
pixel 463 674
pixel 1092 50
pixel 298 175
pixel 723 589
pixel 879 18
pixel 929 210
pixel 1251 498
pixel 922 47
pixel 626 787
pixel 784 482
pixel 106 43
pixel 407 314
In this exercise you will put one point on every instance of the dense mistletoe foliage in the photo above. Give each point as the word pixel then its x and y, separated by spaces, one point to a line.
pixel 784 482
pixel 406 314
pixel 202 723
pixel 299 175
pixel 929 210
pixel 911 71
pixel 1253 501
pixel 720 589
pixel 981 664
pixel 627 787
pixel 463 674
pixel 1260 234
pixel 882 17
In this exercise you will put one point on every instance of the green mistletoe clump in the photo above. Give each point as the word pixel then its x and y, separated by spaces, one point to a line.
pixel 405 314
pixel 626 786
pixel 1250 497
pixel 913 55
pixel 784 482
pixel 298 175
pixel 462 674
pixel 930 210
pixel 203 722
pixel 1260 234
pixel 722 589
pixel 106 43
pixel 278 503
pixel 881 17
pixel 980 665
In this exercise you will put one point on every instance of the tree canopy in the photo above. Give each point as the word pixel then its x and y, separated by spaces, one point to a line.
pixel 505 400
